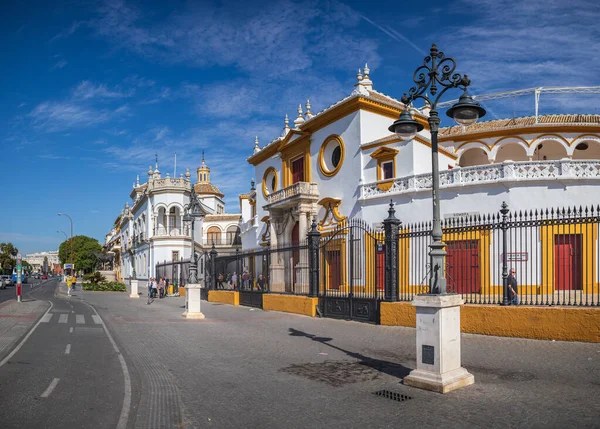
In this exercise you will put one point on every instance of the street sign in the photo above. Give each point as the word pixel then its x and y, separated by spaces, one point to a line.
pixel 69 266
pixel 19 277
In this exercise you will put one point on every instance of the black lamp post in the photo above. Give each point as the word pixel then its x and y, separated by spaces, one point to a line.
pixel 437 72
pixel 192 211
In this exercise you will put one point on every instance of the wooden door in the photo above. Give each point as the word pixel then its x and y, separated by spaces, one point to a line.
pixel 462 266
pixel 334 276
pixel 295 250
pixel 567 262
pixel 380 268
pixel 298 170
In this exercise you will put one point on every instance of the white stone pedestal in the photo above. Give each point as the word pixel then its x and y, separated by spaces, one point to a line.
pixel 134 289
pixel 192 302
pixel 438 345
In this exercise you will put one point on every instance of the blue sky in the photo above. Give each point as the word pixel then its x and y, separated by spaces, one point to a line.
pixel 92 90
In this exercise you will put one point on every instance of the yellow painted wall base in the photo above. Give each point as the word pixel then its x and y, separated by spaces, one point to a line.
pixel 224 296
pixel 181 291
pixel 290 304
pixel 554 323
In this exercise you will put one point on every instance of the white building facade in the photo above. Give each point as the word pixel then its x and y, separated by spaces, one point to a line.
pixel 151 230
pixel 342 163
pixel 36 260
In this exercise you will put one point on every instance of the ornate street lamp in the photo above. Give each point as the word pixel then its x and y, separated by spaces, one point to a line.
pixel 437 72
pixel 192 211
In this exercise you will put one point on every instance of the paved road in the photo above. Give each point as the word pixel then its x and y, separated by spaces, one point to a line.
pixel 247 368
pixel 66 375
pixel 11 291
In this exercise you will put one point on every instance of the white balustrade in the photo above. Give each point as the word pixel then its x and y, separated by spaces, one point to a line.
pixel 295 190
pixel 505 172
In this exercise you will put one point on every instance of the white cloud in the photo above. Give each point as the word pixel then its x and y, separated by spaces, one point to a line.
pixel 87 90
pixel 59 116
pixel 59 65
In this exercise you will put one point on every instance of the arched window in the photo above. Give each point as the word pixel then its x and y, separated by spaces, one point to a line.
pixel 213 235
pixel 233 235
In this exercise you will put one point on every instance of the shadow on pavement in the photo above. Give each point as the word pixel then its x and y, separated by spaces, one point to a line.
pixel 390 368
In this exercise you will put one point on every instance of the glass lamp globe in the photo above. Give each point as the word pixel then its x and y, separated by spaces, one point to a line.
pixel 466 112
pixel 406 128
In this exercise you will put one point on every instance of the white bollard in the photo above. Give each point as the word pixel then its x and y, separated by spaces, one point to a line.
pixel 192 302
pixel 134 289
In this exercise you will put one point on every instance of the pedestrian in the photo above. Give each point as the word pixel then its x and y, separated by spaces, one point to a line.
pixel 260 283
pixel 246 279
pixel 234 280
pixel 220 281
pixel 150 280
pixel 166 286
pixel 154 288
pixel 513 287
pixel 161 288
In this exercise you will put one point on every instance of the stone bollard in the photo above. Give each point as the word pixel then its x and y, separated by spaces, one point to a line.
pixel 192 302
pixel 134 289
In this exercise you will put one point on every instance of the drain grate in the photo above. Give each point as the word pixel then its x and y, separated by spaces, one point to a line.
pixel 395 396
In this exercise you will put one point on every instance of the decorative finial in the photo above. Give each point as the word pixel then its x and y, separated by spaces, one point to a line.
pixel 156 157
pixel 286 121
pixel 187 174
pixel 366 71
pixel 366 80
pixel 149 170
pixel 256 146
pixel 137 180
pixel 308 112
pixel 300 119
pixel 359 75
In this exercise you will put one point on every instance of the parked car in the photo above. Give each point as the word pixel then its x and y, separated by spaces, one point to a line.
pixel 44 277
pixel 5 280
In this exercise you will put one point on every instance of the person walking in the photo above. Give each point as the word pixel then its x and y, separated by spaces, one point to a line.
pixel 154 288
pixel 260 283
pixel 246 280
pixel 513 287
pixel 234 280
pixel 220 281
pixel 161 288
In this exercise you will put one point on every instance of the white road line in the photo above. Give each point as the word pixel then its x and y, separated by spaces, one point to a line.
pixel 97 319
pixel 16 349
pixel 79 318
pixel 46 318
pixel 50 388
pixel 63 318
pixel 68 349
pixel 124 417
pixel 70 330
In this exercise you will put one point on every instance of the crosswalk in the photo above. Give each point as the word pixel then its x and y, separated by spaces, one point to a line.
pixel 80 319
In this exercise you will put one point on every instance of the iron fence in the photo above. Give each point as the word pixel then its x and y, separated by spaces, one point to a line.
pixel 176 272
pixel 554 254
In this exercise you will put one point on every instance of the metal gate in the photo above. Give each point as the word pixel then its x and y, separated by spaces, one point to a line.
pixel 352 267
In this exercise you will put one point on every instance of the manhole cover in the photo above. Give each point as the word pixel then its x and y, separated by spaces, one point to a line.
pixel 394 396
pixel 334 373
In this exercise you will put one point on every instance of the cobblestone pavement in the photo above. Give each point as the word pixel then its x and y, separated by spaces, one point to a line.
pixel 247 368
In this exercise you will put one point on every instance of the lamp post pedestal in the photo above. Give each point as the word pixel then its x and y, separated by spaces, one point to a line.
pixel 134 293
pixel 192 301
pixel 438 345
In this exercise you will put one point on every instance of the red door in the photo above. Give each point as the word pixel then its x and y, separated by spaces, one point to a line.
pixel 298 170
pixel 333 272
pixel 295 251
pixel 567 262
pixel 462 266
pixel 380 268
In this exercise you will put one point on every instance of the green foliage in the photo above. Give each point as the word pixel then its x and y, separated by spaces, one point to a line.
pixel 83 247
pixel 105 287
pixel 27 267
pixel 8 253
pixel 95 278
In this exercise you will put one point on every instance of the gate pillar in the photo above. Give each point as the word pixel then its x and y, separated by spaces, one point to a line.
pixel 391 226
pixel 314 238
pixel 213 268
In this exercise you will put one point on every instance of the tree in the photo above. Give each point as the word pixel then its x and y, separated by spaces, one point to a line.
pixel 83 250
pixel 8 255
pixel 27 267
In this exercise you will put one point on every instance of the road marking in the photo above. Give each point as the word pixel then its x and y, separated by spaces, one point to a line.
pixel 124 417
pixel 46 318
pixel 50 388
pixel 97 319
pixel 63 318
pixel 70 330
pixel 16 349
pixel 68 349
pixel 79 318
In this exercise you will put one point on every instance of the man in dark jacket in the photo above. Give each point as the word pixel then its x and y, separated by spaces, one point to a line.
pixel 513 287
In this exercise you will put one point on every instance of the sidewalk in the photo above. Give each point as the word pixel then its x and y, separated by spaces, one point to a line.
pixel 244 367
pixel 16 318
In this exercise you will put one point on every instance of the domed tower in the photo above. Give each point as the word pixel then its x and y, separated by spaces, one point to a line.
pixel 203 172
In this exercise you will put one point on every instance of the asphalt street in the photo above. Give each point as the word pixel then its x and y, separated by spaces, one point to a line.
pixel 66 375
pixel 11 291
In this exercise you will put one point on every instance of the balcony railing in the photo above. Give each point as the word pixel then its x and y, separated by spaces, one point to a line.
pixel 493 173
pixel 161 231
pixel 244 227
pixel 299 189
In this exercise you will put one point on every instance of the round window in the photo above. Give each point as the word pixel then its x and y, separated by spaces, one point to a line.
pixel 331 155
pixel 273 183
pixel 269 183
pixel 336 156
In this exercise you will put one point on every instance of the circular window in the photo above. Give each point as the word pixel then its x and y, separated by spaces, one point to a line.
pixel 269 183
pixel 331 155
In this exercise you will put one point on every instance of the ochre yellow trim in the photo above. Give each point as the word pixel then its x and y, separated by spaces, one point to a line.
pixel 290 304
pixel 497 142
pixel 385 186
pixel 331 206
pixel 589 237
pixel 549 137
pixel 417 138
pixel 472 141
pixel 224 297
pixel 484 241
pixel 292 153
pixel 596 136
pixel 265 185
pixel 337 243
pixel 508 132
pixel 540 323
pixel 322 166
